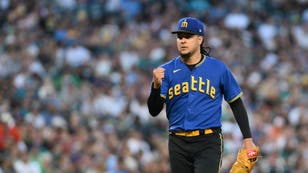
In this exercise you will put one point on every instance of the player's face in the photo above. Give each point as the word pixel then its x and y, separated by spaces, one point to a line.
pixel 188 44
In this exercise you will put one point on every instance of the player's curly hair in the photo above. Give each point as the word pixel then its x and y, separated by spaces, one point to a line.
pixel 205 50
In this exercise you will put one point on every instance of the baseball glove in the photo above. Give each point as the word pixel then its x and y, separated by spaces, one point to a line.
pixel 246 160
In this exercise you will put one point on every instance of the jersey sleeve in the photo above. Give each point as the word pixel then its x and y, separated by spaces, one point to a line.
pixel 230 86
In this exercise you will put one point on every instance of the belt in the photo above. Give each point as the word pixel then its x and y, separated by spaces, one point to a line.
pixel 192 133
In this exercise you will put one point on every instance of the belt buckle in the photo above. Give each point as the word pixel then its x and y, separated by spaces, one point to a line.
pixel 188 133
pixel 194 133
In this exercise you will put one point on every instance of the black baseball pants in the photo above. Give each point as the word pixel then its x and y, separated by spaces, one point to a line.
pixel 199 154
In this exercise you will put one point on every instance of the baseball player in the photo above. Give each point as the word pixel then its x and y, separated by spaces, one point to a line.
pixel 192 86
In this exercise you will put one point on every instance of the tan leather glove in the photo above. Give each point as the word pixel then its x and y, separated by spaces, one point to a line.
pixel 246 160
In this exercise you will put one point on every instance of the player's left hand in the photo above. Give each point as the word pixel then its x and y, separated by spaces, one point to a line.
pixel 248 143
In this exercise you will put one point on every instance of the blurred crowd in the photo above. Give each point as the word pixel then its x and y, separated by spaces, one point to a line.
pixel 75 76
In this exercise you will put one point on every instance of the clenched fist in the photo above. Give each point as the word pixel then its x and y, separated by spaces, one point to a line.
pixel 158 75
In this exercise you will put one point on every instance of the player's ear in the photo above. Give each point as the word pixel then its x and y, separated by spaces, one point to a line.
pixel 201 39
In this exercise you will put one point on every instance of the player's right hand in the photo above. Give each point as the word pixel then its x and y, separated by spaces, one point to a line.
pixel 158 75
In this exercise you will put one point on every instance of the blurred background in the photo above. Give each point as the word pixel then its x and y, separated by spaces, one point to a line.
pixel 75 76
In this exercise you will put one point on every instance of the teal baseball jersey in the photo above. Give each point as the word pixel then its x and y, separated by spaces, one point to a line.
pixel 194 97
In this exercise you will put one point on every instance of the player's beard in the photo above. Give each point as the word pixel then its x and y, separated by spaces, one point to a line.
pixel 186 55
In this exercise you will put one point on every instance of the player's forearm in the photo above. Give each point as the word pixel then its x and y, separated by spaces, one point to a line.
pixel 155 102
pixel 241 117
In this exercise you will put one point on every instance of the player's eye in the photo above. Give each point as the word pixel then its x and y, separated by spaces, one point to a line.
pixel 187 36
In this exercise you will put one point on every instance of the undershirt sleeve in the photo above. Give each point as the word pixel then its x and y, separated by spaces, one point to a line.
pixel 155 102
pixel 241 117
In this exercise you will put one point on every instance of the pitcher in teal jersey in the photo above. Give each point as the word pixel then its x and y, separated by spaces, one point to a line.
pixel 192 86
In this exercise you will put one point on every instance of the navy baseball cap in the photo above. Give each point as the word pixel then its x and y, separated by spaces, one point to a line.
pixel 190 25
